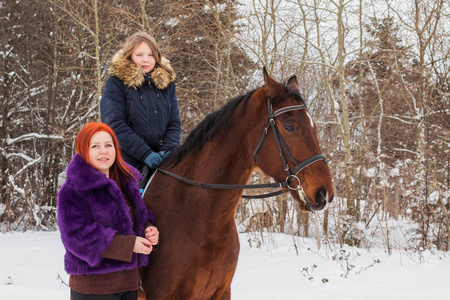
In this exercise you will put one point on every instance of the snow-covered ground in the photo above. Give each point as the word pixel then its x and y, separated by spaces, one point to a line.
pixel 31 267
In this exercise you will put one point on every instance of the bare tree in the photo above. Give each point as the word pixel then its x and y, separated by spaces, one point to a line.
pixel 374 73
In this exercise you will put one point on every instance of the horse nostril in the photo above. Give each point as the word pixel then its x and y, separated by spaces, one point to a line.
pixel 322 195
pixel 321 199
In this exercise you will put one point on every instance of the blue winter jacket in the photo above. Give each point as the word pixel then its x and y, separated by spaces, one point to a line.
pixel 141 109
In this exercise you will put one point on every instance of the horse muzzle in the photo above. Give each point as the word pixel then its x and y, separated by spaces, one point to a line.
pixel 322 200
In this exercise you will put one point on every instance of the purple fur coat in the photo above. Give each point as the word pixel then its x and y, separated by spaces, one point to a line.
pixel 91 210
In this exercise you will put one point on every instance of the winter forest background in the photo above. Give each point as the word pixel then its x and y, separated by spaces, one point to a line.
pixel 375 74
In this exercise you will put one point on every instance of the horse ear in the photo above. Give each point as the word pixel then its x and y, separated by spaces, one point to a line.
pixel 293 83
pixel 272 87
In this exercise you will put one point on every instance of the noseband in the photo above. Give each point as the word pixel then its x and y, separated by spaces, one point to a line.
pixel 291 175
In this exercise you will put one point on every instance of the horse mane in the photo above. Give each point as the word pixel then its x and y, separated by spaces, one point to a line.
pixel 207 128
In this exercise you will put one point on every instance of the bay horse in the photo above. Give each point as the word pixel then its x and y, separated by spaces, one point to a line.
pixel 268 128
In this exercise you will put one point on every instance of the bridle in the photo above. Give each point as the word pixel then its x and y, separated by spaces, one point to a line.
pixel 291 175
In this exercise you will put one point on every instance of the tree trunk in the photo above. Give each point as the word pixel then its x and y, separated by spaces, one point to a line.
pixel 345 114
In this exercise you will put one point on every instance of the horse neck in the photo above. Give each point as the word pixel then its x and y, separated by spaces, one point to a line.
pixel 225 159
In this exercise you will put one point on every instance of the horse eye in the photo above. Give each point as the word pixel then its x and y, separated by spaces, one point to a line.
pixel 290 127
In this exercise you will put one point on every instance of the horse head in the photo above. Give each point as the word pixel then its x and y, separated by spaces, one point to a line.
pixel 289 149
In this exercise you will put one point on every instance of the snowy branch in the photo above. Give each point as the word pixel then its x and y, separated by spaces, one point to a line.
pixel 31 136
pixel 21 155
pixel 405 150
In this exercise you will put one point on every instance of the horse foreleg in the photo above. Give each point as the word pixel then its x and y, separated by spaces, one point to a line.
pixel 222 294
pixel 227 294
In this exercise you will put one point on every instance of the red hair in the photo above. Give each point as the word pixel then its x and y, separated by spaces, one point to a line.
pixel 119 169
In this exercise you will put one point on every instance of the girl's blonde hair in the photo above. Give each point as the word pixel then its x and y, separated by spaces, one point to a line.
pixel 141 37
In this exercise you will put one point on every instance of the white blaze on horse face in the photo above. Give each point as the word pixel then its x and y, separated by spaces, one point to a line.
pixel 310 119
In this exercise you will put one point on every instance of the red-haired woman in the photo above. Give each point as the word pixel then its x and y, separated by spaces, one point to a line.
pixel 104 224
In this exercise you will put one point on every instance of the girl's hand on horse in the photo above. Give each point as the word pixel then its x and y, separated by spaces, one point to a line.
pixel 142 245
pixel 152 235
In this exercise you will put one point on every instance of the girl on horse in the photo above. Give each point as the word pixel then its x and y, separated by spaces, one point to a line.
pixel 140 102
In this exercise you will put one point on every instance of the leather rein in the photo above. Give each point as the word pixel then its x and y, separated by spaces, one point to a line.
pixel 291 175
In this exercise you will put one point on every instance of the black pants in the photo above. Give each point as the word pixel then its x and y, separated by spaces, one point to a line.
pixel 130 295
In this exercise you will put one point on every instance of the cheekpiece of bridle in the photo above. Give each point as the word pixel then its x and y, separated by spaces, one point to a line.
pixel 291 174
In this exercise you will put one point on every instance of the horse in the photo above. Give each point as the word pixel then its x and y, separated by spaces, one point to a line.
pixel 268 128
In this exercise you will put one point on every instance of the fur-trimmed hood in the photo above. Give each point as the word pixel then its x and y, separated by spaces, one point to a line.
pixel 133 76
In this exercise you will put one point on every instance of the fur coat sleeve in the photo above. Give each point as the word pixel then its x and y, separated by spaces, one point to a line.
pixel 82 236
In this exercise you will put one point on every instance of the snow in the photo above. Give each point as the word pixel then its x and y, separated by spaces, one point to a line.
pixel 30 136
pixel 31 267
